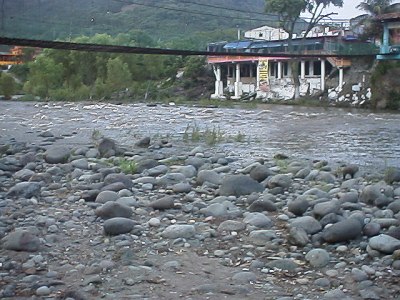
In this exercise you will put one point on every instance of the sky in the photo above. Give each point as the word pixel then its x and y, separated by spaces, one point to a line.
pixel 348 10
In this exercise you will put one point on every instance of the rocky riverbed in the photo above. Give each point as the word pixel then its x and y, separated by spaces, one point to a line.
pixel 163 219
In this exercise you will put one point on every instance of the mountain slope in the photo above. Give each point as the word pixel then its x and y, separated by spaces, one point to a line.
pixel 162 20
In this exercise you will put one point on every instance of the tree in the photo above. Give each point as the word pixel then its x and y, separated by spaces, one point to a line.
pixel 8 86
pixel 373 8
pixel 289 12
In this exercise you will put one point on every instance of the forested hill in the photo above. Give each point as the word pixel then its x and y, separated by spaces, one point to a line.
pixel 163 20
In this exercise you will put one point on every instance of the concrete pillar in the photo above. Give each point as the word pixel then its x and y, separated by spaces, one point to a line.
pixel 219 87
pixel 340 79
pixel 258 76
pixel 279 70
pixel 385 39
pixel 237 83
pixel 322 74
pixel 302 69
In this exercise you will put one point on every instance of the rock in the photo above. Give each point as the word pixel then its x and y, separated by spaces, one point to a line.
pixel 371 229
pixel 351 197
pixel 308 223
pixel 143 142
pixel 384 243
pixel 188 171
pixel 280 180
pixel 171 179
pixel 21 240
pixel 231 225
pixel 166 202
pixel 118 178
pixel 106 196
pixel 25 190
pixel 324 208
pixel 147 164
pixel 298 206
pixel 342 231
pixel 182 187
pixel 370 193
pixel 392 175
pixel 107 147
pixel 179 231
pixel 303 173
pixel 115 226
pixel 349 170
pixel 325 177
pixel 244 277
pixel 282 264
pixel 209 176
pixel 57 155
pixel 258 220
pixel 318 258
pixel 262 237
pixel 260 173
pixel 43 291
pixel 394 206
pixel 112 209
pixel 215 210
pixel 24 174
pixel 238 185
pixel 298 236
pixel 261 205
pixel 81 163
pixel 394 232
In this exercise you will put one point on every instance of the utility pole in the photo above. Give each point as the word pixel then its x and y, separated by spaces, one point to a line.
pixel 2 17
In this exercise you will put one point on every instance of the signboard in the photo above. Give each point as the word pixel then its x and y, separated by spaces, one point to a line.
pixel 263 75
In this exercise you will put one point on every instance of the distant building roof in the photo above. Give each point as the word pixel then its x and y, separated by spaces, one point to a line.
pixel 389 17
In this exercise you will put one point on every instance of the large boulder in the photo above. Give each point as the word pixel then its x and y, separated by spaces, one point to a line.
pixel 21 240
pixel 280 180
pixel 118 178
pixel 260 172
pixel 57 155
pixel 343 231
pixel 25 190
pixel 238 185
pixel 113 209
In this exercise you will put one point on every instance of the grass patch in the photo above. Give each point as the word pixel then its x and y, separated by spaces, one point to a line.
pixel 126 166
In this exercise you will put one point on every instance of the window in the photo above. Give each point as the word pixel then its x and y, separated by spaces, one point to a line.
pixel 317 67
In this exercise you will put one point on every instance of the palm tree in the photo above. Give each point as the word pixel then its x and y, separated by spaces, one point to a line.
pixel 373 8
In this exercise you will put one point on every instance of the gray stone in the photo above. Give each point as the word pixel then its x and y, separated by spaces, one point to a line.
pixel 196 162
pixel 394 232
pixel 358 275
pixel 238 185
pixel 317 193
pixel 215 210
pixel 342 231
pixel 261 205
pixel 112 209
pixel 324 208
pixel 244 277
pixel 21 240
pixel 282 264
pixel 260 173
pixel 188 171
pixel 115 226
pixel 299 205
pixel 280 180
pixel 106 147
pixel 24 174
pixel 118 178
pixel 25 190
pixel 318 258
pixel 182 187
pixel 370 193
pixel 106 196
pixel 166 202
pixel 325 177
pixel 231 225
pixel 308 223
pixel 394 206
pixel 298 236
pixel 303 173
pixel 209 176
pixel 384 243
pixel 179 231
pixel 171 179
pixel 157 170
pixel 147 164
pixel 392 175
pixel 258 220
pixel 261 237
pixel 351 197
pixel 143 142
pixel 57 155
pixel 43 291
pixel 81 163
pixel 371 229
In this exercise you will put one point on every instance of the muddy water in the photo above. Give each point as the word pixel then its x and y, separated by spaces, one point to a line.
pixel 338 135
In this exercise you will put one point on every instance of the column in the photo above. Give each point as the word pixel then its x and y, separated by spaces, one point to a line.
pixel 322 74
pixel 279 70
pixel 237 83
pixel 302 69
pixel 218 82
pixel 340 79
pixel 258 75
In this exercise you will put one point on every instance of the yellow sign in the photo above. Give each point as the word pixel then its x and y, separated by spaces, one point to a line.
pixel 263 67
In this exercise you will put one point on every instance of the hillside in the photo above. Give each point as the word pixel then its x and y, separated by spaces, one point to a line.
pixel 163 20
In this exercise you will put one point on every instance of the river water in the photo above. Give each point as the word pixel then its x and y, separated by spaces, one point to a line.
pixel 364 137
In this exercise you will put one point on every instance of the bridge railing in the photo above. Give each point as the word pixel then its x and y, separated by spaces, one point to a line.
pixel 350 48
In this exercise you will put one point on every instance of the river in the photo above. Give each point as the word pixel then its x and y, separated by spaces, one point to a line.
pixel 364 137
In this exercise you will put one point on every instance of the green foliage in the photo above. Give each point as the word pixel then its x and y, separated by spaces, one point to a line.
pixel 384 85
pixel 213 136
pixel 127 166
pixel 8 86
